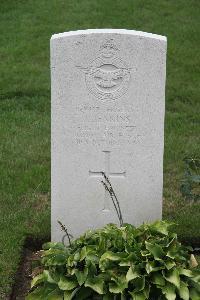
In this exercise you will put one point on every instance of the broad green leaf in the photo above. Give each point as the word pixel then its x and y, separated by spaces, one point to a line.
pixel 131 274
pixel 115 288
pixel 92 269
pixel 171 253
pixel 139 283
pixel 195 284
pixel 96 283
pixel 196 276
pixel 160 227
pixel 145 253
pixel 184 291
pixel 185 272
pixel 47 292
pixel 37 294
pixel 68 295
pixel 169 264
pixel 173 277
pixel 127 263
pixel 49 277
pixel 113 256
pixel 83 253
pixel 53 245
pixel 38 279
pixel 128 260
pixel 173 250
pixel 137 296
pixel 158 279
pixel 173 239
pixel 169 291
pixel 77 256
pixel 66 283
pixel 194 294
pixel 52 252
pixel 119 285
pixel 81 275
pixel 93 257
pixel 55 295
pixel 155 250
pixel 70 261
pixel 55 260
pixel 84 293
pixel 151 266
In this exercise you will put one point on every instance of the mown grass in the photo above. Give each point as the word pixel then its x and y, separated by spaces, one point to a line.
pixel 26 27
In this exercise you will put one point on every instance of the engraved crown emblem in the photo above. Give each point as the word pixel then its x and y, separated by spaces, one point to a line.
pixel 108 49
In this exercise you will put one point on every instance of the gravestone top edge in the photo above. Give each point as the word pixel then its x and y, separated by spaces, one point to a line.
pixel 109 31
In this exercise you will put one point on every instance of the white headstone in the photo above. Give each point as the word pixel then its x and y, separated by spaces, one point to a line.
pixel 108 99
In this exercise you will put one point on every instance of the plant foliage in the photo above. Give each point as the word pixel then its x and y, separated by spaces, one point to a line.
pixel 118 263
pixel 190 186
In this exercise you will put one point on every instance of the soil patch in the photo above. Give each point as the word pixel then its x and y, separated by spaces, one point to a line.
pixel 23 276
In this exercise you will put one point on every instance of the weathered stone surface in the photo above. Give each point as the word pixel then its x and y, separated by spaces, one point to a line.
pixel 108 99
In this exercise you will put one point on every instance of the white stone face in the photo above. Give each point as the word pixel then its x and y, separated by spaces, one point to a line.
pixel 108 99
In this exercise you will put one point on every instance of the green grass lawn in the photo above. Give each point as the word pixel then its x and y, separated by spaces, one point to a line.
pixel 26 27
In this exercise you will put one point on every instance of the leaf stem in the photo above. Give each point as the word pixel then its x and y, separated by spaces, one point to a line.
pixel 108 186
pixel 66 231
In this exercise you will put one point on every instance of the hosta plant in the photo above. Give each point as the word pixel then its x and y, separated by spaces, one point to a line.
pixel 118 263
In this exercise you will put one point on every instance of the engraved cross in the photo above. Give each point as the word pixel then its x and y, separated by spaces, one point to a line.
pixel 109 174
